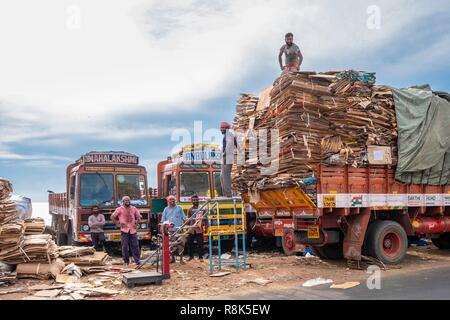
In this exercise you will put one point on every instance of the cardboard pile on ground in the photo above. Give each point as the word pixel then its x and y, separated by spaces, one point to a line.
pixel 34 226
pixel 7 278
pixel 96 259
pixel 34 248
pixel 41 271
pixel 328 118
pixel 69 251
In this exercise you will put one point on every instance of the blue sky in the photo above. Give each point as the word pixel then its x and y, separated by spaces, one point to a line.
pixel 123 75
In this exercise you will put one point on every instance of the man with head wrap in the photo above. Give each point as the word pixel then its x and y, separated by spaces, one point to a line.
pixel 127 217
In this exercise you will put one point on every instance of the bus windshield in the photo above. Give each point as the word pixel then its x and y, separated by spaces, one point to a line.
pixel 132 186
pixel 194 183
pixel 96 190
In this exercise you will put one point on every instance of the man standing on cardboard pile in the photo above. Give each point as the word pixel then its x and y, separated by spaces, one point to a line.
pixel 292 55
pixel 127 218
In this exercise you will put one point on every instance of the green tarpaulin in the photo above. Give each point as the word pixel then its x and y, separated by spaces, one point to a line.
pixel 423 120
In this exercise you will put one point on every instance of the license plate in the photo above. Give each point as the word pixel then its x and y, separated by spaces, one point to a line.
pixel 115 237
pixel 278 232
pixel 313 232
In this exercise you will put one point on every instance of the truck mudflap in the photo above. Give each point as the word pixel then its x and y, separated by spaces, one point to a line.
pixel 111 237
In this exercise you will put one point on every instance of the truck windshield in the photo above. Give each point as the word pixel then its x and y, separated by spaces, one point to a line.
pixel 194 183
pixel 132 186
pixel 96 189
pixel 217 185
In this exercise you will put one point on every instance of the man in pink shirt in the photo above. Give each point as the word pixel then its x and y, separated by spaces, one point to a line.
pixel 127 217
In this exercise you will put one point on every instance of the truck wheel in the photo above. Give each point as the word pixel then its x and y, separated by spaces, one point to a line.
pixel 69 235
pixel 288 243
pixel 61 239
pixel 330 251
pixel 442 241
pixel 387 241
pixel 227 245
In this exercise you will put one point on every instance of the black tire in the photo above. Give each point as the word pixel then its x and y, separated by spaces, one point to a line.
pixel 288 242
pixel 61 239
pixel 386 241
pixel 330 251
pixel 227 245
pixel 442 241
pixel 69 235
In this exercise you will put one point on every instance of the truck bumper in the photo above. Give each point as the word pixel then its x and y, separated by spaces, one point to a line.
pixel 112 237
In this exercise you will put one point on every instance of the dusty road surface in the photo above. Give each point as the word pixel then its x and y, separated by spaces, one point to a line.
pixel 270 275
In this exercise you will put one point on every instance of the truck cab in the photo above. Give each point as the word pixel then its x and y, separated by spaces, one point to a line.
pixel 99 179
pixel 195 169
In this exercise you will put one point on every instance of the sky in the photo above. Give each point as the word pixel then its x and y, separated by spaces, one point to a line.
pixel 83 75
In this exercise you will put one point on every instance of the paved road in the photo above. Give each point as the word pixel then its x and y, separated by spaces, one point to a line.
pixel 432 284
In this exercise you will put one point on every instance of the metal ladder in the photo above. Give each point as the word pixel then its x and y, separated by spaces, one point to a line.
pixel 217 233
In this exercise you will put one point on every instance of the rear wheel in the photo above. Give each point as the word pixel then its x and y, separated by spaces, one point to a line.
pixel 386 241
pixel 442 241
pixel 69 235
pixel 288 242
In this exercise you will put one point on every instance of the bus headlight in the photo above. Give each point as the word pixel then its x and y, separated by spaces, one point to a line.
pixel 143 225
pixel 85 227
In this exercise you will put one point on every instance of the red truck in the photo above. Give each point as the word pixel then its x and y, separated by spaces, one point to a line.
pixel 99 179
pixel 356 211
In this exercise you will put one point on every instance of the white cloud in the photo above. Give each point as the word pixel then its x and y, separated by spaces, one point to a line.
pixel 137 56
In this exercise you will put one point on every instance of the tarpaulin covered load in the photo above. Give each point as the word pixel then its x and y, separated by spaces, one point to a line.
pixel 423 122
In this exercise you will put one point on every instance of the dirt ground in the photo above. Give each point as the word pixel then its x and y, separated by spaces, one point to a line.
pixel 270 270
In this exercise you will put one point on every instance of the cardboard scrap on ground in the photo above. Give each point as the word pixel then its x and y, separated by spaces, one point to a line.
pixel 47 293
pixel 316 282
pixel 13 290
pixel 45 287
pixel 40 271
pixel 65 278
pixel 346 285
pixel 70 251
pixel 96 259
pixel 220 274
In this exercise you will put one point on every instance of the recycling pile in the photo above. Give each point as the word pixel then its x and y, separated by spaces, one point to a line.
pixel 34 226
pixel 22 242
pixel 327 118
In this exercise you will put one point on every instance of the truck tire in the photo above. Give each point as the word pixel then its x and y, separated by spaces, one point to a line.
pixel 227 245
pixel 386 241
pixel 442 241
pixel 330 251
pixel 69 235
pixel 288 242
pixel 61 239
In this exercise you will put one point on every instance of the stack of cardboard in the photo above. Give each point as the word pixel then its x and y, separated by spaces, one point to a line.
pixel 33 248
pixel 34 226
pixel 329 118
pixel 83 256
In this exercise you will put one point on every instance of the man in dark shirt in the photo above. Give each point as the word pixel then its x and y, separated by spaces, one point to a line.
pixel 196 234
pixel 292 54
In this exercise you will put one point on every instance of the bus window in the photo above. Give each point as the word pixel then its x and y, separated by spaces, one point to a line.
pixel 194 183
pixel 217 185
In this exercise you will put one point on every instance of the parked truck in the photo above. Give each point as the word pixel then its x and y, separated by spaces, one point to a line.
pixel 99 179
pixel 196 170
pixel 363 210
